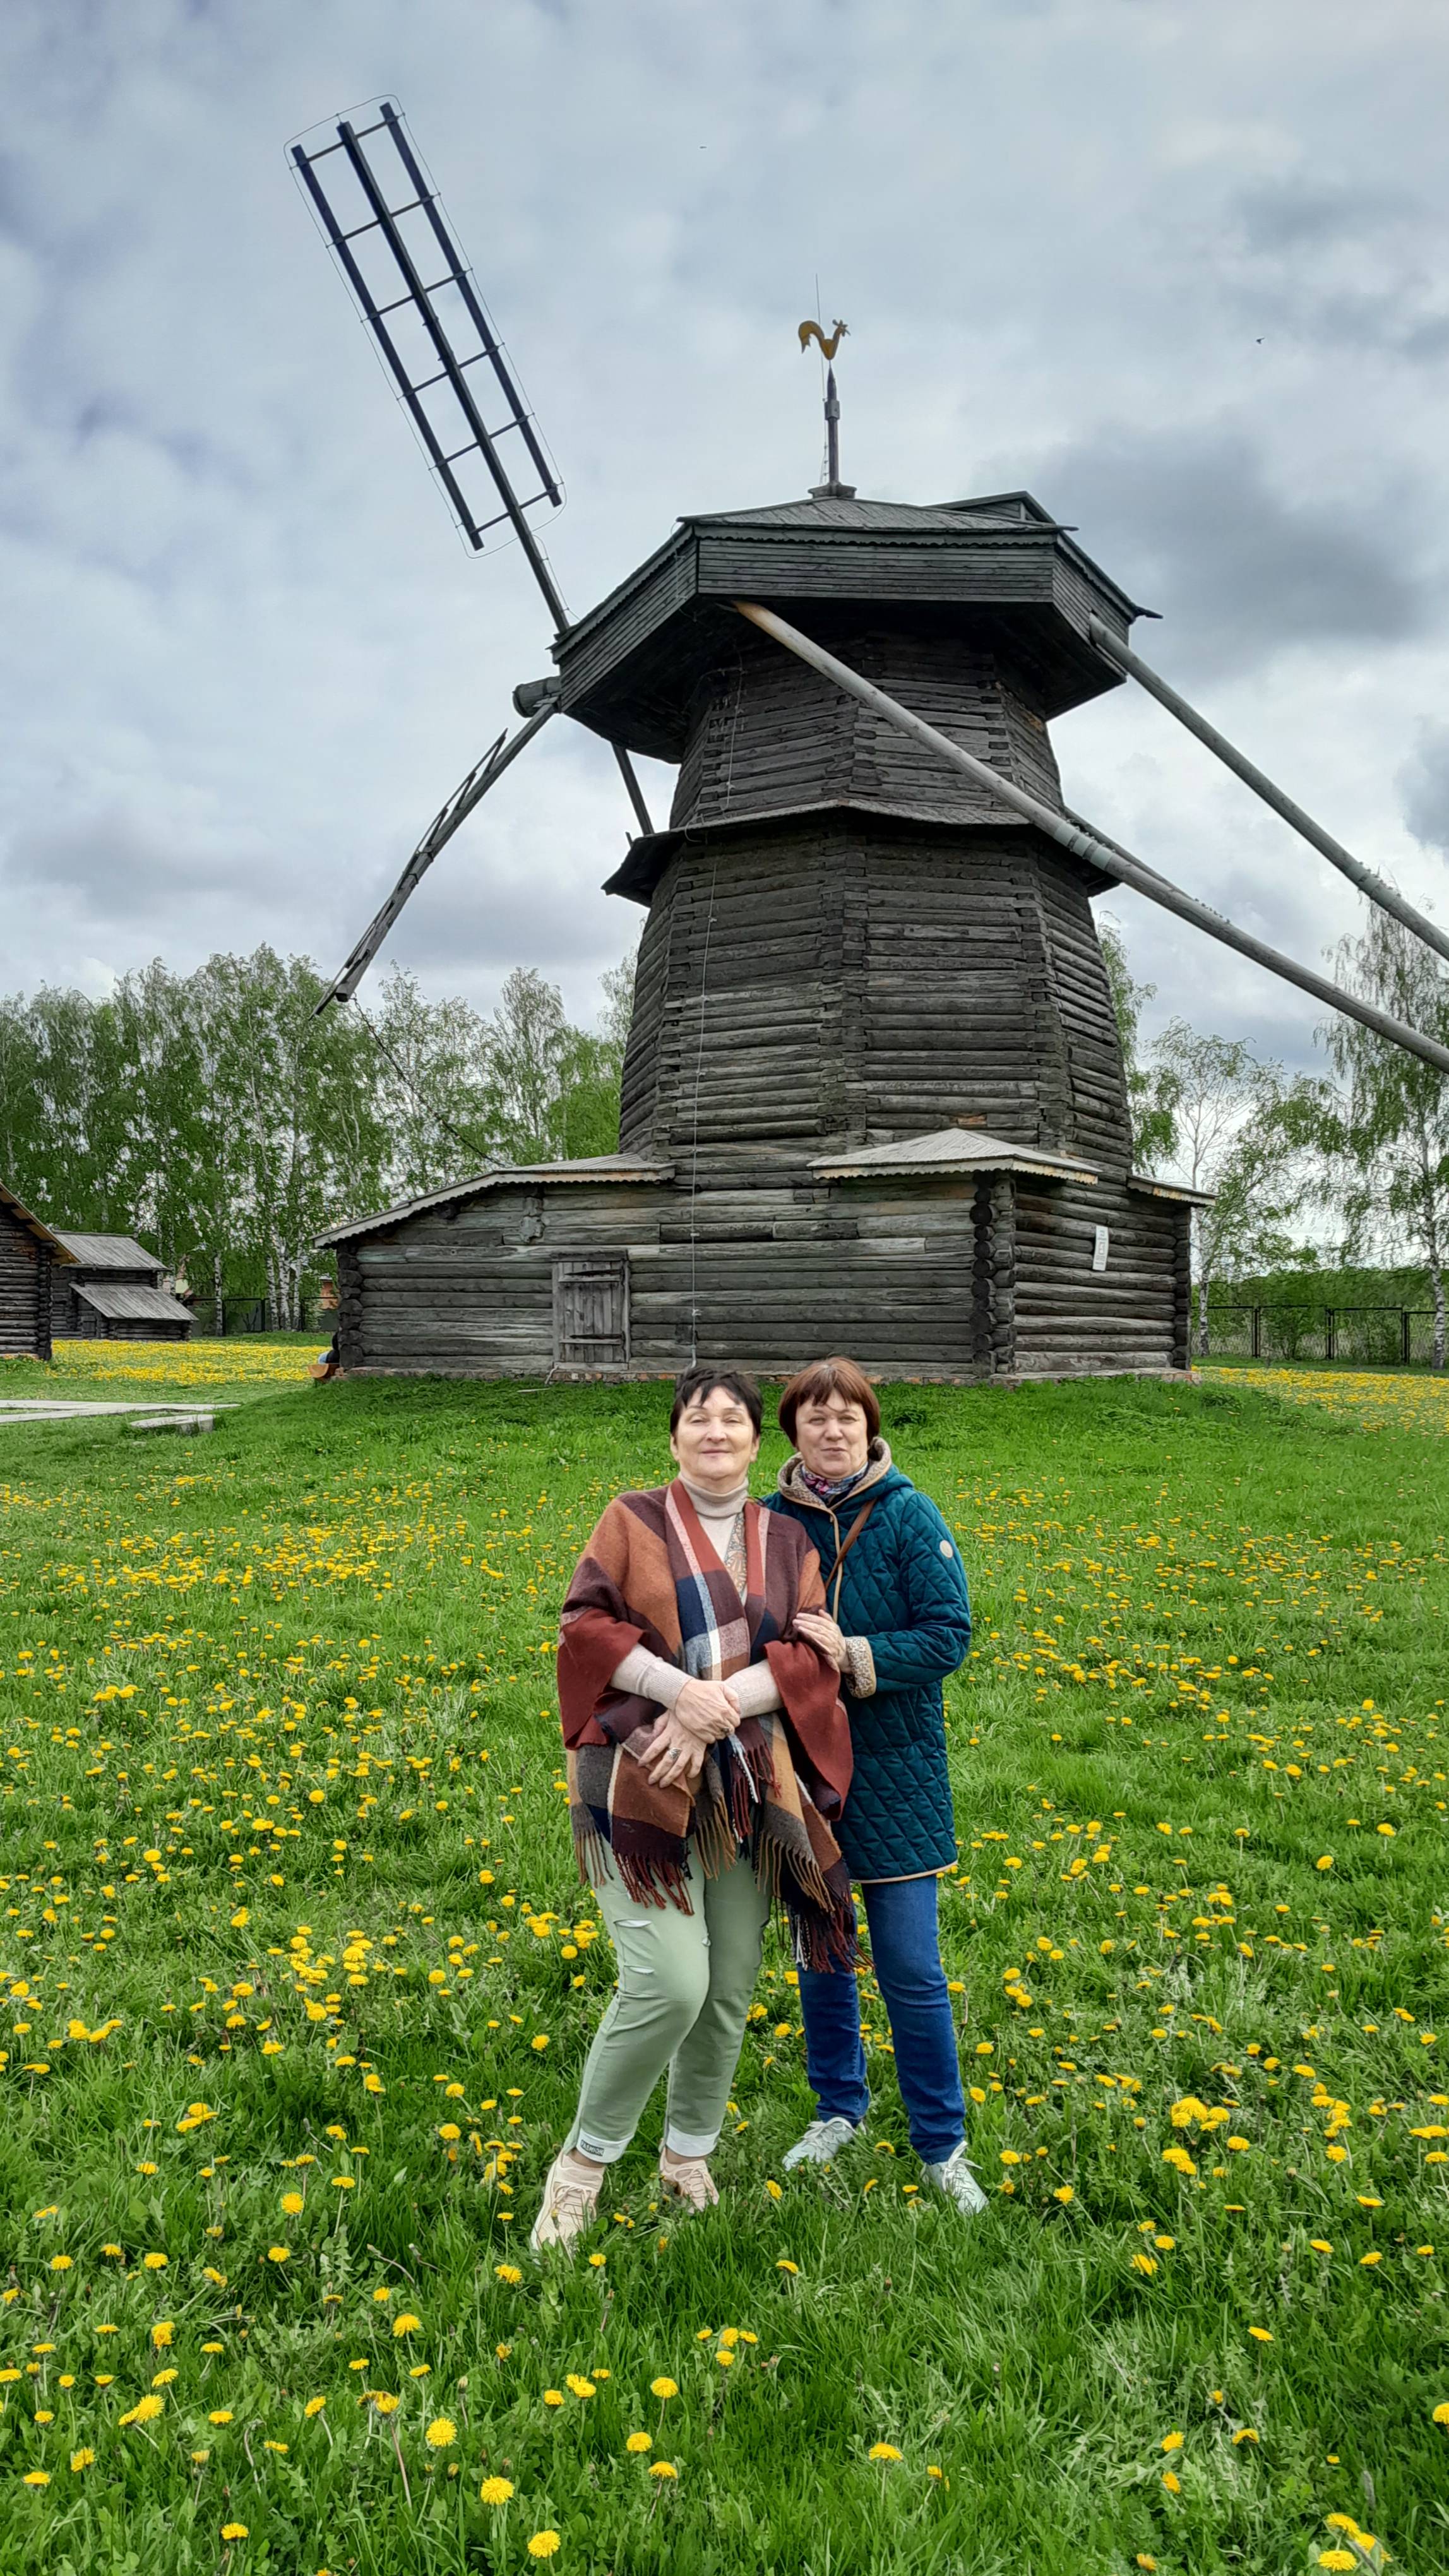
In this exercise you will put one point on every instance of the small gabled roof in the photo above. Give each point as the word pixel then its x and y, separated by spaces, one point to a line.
pixel 132 1305
pixel 503 1176
pixel 953 1149
pixel 107 1251
pixel 35 1225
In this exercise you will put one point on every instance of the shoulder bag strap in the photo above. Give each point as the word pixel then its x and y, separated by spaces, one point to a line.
pixel 846 1544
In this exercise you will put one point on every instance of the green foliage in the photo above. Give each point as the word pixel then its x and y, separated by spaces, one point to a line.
pixel 1391 1132
pixel 285 1735
pixel 218 1118
pixel 1150 1108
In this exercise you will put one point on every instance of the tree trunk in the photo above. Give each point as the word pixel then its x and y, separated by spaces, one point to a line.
pixel 218 1307
pixel 1202 1316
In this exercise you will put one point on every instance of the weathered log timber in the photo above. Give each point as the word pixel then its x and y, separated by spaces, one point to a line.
pixel 30 1254
pixel 873 1097
pixel 113 1292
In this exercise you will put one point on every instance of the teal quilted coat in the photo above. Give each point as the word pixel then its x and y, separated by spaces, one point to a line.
pixel 903 1588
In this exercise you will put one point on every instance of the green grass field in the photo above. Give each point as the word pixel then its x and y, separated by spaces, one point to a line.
pixel 301 1978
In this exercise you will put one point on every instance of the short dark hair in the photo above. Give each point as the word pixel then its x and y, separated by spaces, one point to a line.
pixel 694 1384
pixel 829 1377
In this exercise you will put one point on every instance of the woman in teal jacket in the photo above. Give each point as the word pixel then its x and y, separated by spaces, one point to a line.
pixel 899 1621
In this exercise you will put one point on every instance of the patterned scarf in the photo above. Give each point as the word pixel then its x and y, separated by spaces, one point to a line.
pixel 650 1575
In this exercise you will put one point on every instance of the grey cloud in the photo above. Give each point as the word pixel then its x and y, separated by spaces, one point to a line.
pixel 1424 786
pixel 118 872
pixel 1189 521
pixel 1338 265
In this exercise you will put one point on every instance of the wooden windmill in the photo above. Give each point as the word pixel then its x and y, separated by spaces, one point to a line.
pixel 873 1097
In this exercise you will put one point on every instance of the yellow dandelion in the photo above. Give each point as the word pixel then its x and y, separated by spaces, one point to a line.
pixel 36 2478
pixel 1172 2482
pixel 544 2544
pixel 1144 2263
pixel 1244 2433
pixel 406 2324
pixel 784 2264
pixel 61 2262
pixel 163 2333
pixel 508 2272
pixel 495 2491
pixel 222 2415
pixel 81 2460
pixel 163 2378
pixel 1260 2334
pixel 1064 2193
pixel 314 2406
pixel 553 2397
pixel 292 2204
pixel 597 2262
pixel 640 2442
pixel 662 2469
pixel 883 2451
pixel 149 2262
pixel 233 2531
pixel 1339 2558
pixel 384 2401
pixel 441 2433
pixel 662 2388
pixel 145 2411
pixel 1172 2441
pixel 1441 2413
pixel 579 2387
pixel 279 2253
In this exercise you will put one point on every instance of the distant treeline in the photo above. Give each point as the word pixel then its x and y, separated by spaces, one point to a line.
pixel 215 1116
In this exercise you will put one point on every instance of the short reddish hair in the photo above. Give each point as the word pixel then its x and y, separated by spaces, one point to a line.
pixel 829 1377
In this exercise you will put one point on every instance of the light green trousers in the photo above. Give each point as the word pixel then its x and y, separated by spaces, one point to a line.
pixel 685 1982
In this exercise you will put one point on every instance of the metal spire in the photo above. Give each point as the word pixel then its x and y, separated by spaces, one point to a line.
pixel 832 489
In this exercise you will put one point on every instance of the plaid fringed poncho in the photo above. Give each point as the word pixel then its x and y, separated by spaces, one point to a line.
pixel 649 1575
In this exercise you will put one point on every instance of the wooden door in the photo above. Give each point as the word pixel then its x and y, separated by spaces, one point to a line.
pixel 591 1310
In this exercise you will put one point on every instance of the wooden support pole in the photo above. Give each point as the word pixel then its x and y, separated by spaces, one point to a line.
pixel 1112 861
pixel 1367 880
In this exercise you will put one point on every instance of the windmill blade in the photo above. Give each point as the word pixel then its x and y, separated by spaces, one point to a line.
pixel 385 225
pixel 1367 879
pixel 386 230
pixel 1112 860
pixel 444 824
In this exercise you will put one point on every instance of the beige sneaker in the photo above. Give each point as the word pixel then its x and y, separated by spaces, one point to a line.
pixel 570 2198
pixel 687 2178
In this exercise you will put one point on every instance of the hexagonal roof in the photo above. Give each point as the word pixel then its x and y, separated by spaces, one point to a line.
pixel 997 570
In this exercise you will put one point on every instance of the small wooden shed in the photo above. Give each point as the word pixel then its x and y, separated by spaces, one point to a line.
pixel 113 1292
pixel 29 1256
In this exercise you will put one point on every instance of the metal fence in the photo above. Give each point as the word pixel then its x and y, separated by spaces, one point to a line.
pixel 1366 1336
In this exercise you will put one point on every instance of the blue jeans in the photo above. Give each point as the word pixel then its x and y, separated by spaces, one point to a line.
pixel 901 1915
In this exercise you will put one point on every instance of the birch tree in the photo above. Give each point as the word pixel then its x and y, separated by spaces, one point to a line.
pixel 1392 1137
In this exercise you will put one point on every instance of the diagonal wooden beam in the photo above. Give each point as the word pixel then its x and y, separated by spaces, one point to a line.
pixel 1112 861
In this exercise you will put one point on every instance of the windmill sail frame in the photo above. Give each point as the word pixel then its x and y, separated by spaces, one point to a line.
pixel 417 296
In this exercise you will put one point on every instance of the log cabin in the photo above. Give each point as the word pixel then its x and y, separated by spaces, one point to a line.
pixel 112 1292
pixel 30 1254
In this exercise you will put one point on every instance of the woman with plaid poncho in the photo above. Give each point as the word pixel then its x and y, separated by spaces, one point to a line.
pixel 708 1752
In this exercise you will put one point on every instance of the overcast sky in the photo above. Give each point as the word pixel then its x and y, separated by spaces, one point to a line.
pixel 1181 270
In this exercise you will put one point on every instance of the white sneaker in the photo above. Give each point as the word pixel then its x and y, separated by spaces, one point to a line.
pixel 570 2200
pixel 821 2143
pixel 956 2179
pixel 687 2179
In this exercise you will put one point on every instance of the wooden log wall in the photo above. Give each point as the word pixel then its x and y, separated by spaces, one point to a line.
pixel 767 734
pixel 25 1289
pixel 956 1279
pixel 1071 1317
pixel 804 984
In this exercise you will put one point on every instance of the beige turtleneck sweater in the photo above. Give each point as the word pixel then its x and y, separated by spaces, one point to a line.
pixel 648 1676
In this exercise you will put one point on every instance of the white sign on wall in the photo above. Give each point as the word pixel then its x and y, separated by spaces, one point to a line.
pixel 1101 1238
